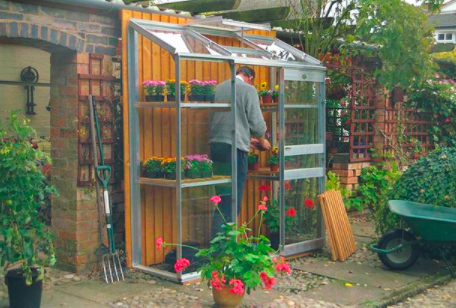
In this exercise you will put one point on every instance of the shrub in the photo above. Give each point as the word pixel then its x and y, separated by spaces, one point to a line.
pixel 376 184
pixel 432 180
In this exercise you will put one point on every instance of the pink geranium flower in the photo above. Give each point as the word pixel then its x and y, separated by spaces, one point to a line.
pixel 158 243
pixel 215 199
pixel 181 265
pixel 281 265
pixel 265 198
pixel 262 207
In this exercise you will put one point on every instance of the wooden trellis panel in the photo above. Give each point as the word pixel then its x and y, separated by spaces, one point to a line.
pixel 95 83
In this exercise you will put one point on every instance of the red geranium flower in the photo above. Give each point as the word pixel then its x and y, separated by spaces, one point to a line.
pixel 447 120
pixel 215 199
pixel 287 185
pixel 158 243
pixel 181 265
pixel 265 188
pixel 283 267
pixel 268 281
pixel 216 282
pixel 238 286
pixel 291 212
pixel 308 203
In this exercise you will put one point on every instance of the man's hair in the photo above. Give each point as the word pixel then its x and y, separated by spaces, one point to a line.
pixel 246 71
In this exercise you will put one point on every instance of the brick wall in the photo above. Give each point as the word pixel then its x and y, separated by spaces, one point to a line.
pixel 78 31
pixel 13 59
pixel 69 37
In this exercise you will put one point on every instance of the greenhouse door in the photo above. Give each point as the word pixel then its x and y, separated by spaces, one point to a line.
pixel 302 159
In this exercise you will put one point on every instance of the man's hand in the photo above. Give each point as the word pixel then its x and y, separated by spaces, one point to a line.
pixel 264 143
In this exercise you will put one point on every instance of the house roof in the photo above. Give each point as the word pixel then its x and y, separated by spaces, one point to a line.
pixel 443 20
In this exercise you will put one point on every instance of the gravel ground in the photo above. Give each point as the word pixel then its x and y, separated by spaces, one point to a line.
pixel 292 287
pixel 435 297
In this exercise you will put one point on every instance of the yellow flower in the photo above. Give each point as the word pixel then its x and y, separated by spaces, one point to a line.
pixel 171 81
pixel 264 85
pixel 275 150
pixel 276 88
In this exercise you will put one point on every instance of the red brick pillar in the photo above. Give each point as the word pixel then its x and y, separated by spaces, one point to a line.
pixel 74 212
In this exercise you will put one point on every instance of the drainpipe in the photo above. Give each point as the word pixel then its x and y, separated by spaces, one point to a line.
pixel 107 7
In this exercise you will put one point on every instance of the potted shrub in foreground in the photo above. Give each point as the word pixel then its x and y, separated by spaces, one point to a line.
pixel 25 246
pixel 235 262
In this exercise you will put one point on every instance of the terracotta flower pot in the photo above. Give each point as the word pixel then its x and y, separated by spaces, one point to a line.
pixel 254 166
pixel 274 167
pixel 267 99
pixel 275 99
pixel 225 299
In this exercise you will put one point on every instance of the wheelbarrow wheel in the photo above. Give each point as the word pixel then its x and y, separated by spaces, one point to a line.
pixel 402 259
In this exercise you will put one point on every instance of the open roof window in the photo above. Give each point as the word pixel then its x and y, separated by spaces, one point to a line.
pixel 220 38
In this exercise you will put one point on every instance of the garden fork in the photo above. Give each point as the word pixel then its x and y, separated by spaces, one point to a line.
pixel 110 260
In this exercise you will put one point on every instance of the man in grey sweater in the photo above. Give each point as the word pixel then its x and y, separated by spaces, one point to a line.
pixel 250 129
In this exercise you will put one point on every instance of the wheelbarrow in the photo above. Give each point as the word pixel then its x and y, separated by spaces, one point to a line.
pixel 400 249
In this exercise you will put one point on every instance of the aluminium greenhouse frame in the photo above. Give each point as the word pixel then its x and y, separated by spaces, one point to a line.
pixel 305 68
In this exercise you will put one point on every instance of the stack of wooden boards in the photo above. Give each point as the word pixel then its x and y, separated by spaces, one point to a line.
pixel 337 225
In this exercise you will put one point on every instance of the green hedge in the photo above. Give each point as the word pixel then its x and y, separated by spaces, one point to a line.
pixel 432 180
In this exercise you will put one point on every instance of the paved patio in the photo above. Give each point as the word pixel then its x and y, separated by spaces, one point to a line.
pixel 315 282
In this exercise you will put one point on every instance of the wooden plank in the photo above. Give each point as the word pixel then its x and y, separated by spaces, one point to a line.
pixel 125 16
pixel 258 15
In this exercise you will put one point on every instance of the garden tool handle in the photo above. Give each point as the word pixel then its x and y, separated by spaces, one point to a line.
pixel 109 229
pixel 104 175
pixel 97 125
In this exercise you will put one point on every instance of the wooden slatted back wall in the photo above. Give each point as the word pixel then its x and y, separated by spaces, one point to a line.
pixel 158 137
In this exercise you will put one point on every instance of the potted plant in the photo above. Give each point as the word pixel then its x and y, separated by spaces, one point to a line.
pixel 25 244
pixel 196 90
pixel 275 94
pixel 168 167
pixel 171 89
pixel 151 168
pixel 273 160
pixel 155 90
pixel 252 160
pixel 265 94
pixel 191 167
pixel 208 89
pixel 235 262
pixel 205 166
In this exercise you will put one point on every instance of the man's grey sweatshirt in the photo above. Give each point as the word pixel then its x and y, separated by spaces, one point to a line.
pixel 249 119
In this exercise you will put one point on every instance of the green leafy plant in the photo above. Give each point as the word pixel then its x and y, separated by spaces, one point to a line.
pixel 252 158
pixel 438 97
pixel 24 239
pixel 168 165
pixel 432 180
pixel 273 160
pixel 153 164
pixel 376 184
pixel 332 182
pixel 236 260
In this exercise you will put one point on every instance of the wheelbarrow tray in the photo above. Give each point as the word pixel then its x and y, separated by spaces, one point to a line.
pixel 431 223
